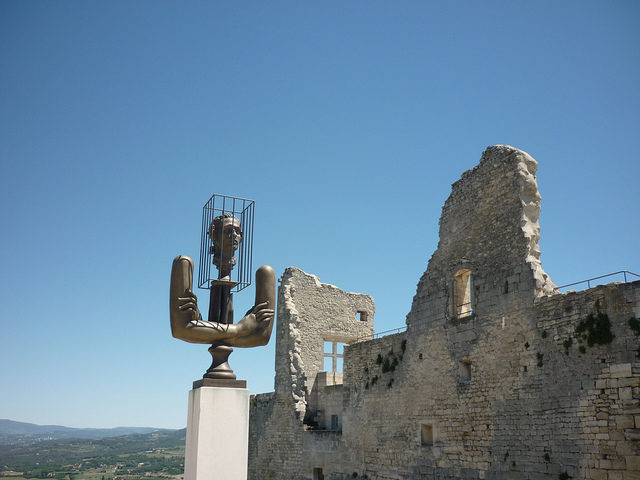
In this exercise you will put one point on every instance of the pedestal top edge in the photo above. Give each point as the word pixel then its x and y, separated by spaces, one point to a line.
pixel 218 382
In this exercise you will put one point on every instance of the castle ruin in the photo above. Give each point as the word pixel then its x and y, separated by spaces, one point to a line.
pixel 497 376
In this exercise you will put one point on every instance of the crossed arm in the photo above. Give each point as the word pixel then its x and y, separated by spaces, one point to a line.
pixel 187 323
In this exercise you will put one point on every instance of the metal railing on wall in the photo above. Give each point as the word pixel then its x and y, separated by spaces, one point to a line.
pixel 625 274
pixel 382 334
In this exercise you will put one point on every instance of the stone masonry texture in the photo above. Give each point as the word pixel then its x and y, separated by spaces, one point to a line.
pixel 512 385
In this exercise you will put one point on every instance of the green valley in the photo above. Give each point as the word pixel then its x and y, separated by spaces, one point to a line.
pixel 156 455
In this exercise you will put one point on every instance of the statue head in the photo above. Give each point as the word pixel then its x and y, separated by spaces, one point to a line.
pixel 225 234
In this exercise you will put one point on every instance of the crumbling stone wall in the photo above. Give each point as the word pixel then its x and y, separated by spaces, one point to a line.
pixel 309 313
pixel 506 387
pixel 489 225
pixel 533 407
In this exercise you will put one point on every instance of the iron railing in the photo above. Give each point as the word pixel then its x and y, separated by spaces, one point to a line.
pixel 382 334
pixel 589 280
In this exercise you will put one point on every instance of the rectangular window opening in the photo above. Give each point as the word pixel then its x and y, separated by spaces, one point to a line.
pixel 334 422
pixel 333 356
pixel 462 293
pixel 426 434
pixel 317 474
pixel 327 364
pixel 362 316
pixel 465 370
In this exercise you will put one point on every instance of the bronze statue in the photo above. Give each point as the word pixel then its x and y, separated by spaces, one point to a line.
pixel 186 321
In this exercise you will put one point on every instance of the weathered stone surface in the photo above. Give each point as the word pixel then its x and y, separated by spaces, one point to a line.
pixel 289 429
pixel 498 389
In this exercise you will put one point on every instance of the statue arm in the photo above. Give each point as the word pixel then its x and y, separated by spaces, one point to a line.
pixel 186 321
pixel 263 312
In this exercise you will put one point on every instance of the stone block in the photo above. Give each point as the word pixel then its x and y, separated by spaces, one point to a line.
pixel 625 394
pixel 618 464
pixel 633 463
pixel 631 475
pixel 624 421
pixel 617 435
pixel 632 435
pixel 597 474
pixel 629 382
pixel 605 464
pixel 620 370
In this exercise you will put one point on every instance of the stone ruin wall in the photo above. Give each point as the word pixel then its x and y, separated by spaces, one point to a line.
pixel 519 416
pixel 309 313
pixel 489 225
pixel 534 406
pixel 314 312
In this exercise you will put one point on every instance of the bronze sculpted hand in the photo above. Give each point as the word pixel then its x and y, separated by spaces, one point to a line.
pixel 257 314
pixel 186 321
pixel 189 304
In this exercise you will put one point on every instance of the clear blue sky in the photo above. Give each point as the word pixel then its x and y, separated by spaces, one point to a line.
pixel 346 121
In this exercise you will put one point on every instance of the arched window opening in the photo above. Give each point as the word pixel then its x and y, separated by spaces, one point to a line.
pixel 462 293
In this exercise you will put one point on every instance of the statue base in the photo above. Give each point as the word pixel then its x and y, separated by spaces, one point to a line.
pixel 217 434
pixel 219 382
pixel 220 369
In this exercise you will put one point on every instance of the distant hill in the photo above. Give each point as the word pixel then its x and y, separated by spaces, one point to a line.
pixel 12 432
pixel 131 457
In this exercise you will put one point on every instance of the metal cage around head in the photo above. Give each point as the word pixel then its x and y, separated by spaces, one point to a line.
pixel 222 208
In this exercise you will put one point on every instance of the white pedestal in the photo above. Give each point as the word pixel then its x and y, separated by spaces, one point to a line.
pixel 217 434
